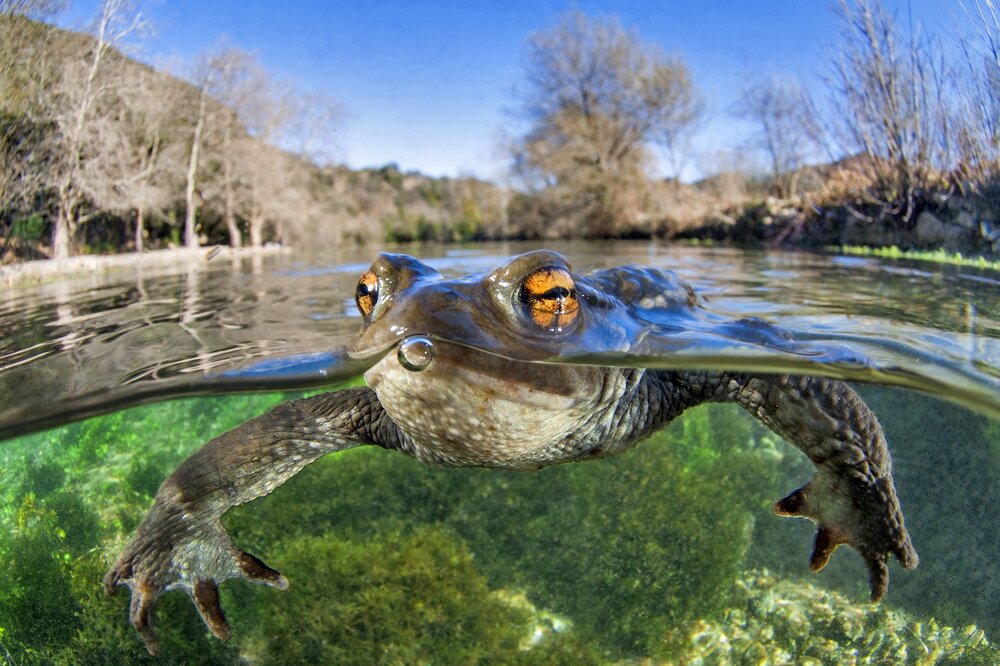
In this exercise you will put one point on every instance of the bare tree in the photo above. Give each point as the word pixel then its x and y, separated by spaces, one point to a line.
pixel 78 114
pixel 678 150
pixel 315 122
pixel 977 122
pixel 262 125
pixel 270 192
pixel 787 127
pixel 146 169
pixel 193 162
pixel 596 98
pixel 885 87
pixel 673 132
pixel 86 133
pixel 227 180
pixel 235 77
pixel 266 114
pixel 35 9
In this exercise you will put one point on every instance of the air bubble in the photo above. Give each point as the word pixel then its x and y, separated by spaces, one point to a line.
pixel 416 353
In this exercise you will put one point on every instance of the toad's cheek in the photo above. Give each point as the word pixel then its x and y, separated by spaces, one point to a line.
pixel 458 416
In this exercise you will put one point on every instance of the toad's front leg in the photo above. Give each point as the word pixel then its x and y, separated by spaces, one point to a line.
pixel 181 543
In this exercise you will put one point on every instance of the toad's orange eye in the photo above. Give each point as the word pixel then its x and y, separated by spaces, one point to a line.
pixel 367 293
pixel 549 296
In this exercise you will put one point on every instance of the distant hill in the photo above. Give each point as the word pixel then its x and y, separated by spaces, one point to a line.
pixel 320 204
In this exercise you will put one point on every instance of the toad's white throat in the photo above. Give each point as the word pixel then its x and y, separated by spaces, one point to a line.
pixel 473 418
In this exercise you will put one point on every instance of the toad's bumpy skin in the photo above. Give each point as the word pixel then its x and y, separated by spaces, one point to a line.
pixel 462 406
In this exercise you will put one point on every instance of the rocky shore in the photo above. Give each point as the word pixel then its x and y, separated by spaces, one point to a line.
pixel 951 223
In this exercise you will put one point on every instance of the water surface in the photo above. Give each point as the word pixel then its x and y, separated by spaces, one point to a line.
pixel 73 348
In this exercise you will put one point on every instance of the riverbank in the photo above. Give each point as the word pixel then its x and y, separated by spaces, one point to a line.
pixel 29 272
pixel 965 226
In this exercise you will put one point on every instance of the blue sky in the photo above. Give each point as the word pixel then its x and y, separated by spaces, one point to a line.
pixel 428 84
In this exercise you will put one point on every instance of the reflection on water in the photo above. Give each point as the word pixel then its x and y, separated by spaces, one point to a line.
pixel 128 334
pixel 78 347
pixel 668 552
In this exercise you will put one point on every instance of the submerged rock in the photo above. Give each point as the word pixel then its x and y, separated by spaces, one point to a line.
pixel 929 228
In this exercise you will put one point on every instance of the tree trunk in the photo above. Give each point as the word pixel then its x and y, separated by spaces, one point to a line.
pixel 235 240
pixel 139 215
pixel 61 233
pixel 65 228
pixel 190 216
pixel 256 230
pixel 64 231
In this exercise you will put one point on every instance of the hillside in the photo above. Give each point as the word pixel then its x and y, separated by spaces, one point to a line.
pixel 269 194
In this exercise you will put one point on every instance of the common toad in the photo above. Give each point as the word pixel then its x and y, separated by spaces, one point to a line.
pixel 463 390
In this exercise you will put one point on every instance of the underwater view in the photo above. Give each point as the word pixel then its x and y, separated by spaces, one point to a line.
pixel 668 553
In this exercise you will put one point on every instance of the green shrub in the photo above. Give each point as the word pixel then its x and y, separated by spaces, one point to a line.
pixel 396 598
pixel 29 229
pixel 630 548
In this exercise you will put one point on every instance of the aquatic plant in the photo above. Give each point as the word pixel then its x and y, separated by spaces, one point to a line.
pixel 36 557
pixel 653 538
pixel 632 556
pixel 52 608
pixel 395 598
pixel 67 495
pixel 775 621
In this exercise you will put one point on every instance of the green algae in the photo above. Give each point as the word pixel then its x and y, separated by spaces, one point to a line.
pixel 394 561
pixel 935 256
pixel 629 548
pixel 396 598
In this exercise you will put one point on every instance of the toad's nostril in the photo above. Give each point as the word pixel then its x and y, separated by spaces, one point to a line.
pixel 416 353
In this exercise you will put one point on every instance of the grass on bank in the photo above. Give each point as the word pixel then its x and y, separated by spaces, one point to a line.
pixel 937 256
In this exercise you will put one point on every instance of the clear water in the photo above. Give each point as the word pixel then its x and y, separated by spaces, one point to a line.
pixel 668 552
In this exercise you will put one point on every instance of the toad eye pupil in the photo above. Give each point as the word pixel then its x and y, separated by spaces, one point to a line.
pixel 365 289
pixel 559 293
pixel 553 294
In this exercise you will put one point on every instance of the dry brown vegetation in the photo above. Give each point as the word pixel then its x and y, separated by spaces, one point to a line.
pixel 597 97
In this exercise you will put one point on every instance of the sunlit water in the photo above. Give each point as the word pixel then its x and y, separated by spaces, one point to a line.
pixel 669 551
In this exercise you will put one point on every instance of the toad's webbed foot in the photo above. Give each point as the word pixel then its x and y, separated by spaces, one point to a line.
pixel 851 498
pixel 181 543
pixel 173 550
pixel 865 516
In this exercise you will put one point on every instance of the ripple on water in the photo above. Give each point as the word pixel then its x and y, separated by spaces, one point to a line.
pixel 76 347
